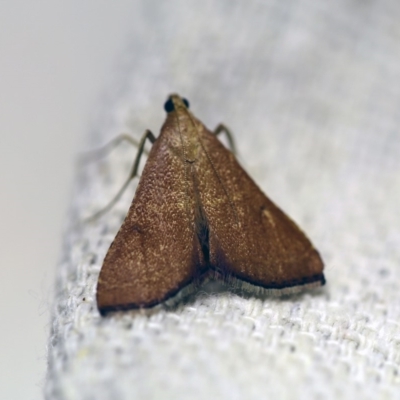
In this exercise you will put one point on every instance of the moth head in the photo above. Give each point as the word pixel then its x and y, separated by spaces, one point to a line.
pixel 175 102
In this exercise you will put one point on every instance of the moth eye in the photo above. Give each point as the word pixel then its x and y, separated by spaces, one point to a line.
pixel 186 103
pixel 169 106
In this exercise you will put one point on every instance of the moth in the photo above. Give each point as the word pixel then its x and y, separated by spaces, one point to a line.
pixel 198 215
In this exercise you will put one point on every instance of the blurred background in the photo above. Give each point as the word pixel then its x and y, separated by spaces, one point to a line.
pixel 55 60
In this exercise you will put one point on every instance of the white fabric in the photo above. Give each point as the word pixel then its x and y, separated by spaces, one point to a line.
pixel 311 91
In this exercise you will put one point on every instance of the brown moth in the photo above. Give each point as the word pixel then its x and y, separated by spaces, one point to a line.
pixel 197 214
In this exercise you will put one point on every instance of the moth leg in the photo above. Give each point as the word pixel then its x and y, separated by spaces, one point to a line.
pixel 222 128
pixel 102 151
pixel 147 135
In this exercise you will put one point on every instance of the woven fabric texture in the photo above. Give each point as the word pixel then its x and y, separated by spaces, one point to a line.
pixel 311 91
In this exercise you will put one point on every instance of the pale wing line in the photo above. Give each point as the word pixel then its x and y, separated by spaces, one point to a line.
pixel 216 173
pixel 266 214
pixel 186 172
